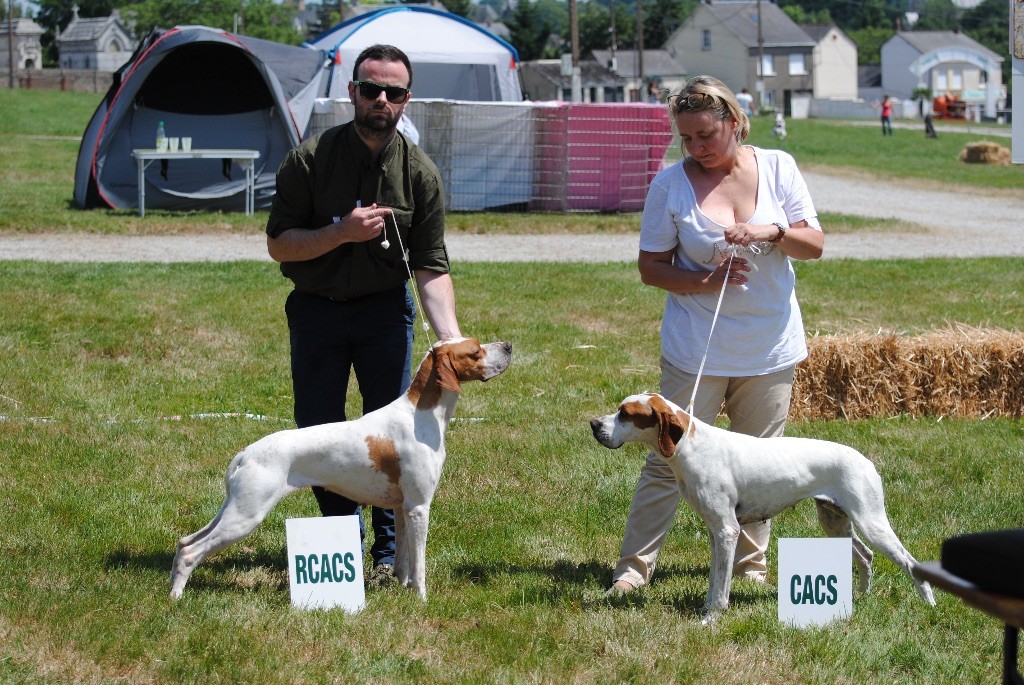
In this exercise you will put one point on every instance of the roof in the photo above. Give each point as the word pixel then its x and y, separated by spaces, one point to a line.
pixel 22 27
pixel 591 73
pixel 418 19
pixel 656 62
pixel 817 32
pixel 926 41
pixel 90 28
pixel 777 29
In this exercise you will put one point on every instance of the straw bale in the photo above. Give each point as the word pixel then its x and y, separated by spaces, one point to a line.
pixel 953 372
pixel 984 152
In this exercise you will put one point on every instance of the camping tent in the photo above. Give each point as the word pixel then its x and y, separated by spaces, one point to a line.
pixel 452 58
pixel 223 90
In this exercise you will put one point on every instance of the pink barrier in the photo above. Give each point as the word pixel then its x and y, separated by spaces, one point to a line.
pixel 598 156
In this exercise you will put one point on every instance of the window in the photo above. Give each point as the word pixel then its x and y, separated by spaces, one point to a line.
pixel 797 67
pixel 705 39
pixel 767 66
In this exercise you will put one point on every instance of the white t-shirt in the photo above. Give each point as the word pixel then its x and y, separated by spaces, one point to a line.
pixel 759 329
pixel 746 101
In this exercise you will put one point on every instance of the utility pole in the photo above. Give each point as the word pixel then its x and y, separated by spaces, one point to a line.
pixel 760 59
pixel 10 44
pixel 640 46
pixel 614 66
pixel 574 33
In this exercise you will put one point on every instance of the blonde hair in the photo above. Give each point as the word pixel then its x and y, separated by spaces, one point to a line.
pixel 716 98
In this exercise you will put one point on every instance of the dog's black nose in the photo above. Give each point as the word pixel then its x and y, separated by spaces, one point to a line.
pixel 595 424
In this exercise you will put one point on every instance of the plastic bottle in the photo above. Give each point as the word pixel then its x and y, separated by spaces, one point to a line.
pixel 161 137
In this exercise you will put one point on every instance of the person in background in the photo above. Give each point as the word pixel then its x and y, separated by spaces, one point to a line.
pixel 722 196
pixel 886 108
pixel 340 197
pixel 746 101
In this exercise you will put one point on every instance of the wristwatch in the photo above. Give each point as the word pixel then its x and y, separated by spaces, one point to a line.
pixel 782 232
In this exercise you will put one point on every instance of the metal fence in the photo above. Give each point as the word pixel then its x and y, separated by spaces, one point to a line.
pixel 537 156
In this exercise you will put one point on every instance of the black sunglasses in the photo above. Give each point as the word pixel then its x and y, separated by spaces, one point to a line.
pixel 368 90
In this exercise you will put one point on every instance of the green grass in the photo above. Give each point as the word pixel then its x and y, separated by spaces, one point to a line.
pixel 529 513
pixel 104 461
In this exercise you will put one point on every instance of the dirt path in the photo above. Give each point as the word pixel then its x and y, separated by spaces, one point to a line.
pixel 960 225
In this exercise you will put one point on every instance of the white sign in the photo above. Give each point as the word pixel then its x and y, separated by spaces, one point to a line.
pixel 325 563
pixel 815 580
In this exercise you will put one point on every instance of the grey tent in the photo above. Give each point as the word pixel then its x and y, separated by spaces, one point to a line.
pixel 224 91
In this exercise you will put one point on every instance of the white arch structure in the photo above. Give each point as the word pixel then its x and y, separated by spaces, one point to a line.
pixel 929 60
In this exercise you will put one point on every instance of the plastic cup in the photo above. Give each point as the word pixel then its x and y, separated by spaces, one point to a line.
pixel 172 143
pixel 186 144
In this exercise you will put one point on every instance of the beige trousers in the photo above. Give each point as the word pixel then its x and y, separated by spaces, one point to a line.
pixel 755 405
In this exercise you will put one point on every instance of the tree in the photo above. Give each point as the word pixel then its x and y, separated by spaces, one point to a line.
pixel 869 43
pixel 850 16
pixel 526 32
pixel 258 18
pixel 938 15
pixel 460 7
pixel 802 16
pixel 662 18
pixel 988 24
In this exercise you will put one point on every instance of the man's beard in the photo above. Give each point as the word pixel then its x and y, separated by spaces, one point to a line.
pixel 376 123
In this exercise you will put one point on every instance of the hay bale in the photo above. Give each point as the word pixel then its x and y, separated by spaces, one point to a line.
pixel 984 152
pixel 958 372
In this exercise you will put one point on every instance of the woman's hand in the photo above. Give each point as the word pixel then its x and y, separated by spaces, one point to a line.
pixel 730 271
pixel 744 234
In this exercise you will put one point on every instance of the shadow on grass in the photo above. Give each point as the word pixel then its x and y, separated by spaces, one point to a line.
pixel 219 572
pixel 587 582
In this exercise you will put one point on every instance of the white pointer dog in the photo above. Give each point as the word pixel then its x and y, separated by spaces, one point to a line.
pixel 389 458
pixel 731 479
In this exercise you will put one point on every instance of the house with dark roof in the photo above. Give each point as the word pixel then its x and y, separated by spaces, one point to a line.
pixel 28 51
pixel 545 79
pixel 776 62
pixel 100 43
pixel 659 68
pixel 947 63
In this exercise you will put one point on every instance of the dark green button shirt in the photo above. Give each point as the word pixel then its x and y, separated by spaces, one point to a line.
pixel 321 180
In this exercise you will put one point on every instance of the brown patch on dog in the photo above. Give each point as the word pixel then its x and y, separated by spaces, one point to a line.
pixel 384 456
pixel 672 425
pixel 424 392
pixel 444 369
pixel 638 414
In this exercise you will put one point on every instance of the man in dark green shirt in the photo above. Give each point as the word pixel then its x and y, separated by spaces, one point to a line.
pixel 340 197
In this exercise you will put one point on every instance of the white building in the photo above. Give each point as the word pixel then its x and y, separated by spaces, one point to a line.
pixel 28 51
pixel 835 62
pixel 100 43
pixel 944 62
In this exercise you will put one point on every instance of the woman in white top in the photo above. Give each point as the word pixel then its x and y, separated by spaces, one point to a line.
pixel 723 196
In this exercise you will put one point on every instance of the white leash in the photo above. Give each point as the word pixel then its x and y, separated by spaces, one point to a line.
pixel 405 258
pixel 731 249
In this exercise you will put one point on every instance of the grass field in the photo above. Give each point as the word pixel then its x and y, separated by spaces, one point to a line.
pixel 108 371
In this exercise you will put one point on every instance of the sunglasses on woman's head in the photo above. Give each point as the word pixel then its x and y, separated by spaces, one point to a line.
pixel 368 90
pixel 694 102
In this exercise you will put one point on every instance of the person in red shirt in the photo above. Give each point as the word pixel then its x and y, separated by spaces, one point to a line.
pixel 886 115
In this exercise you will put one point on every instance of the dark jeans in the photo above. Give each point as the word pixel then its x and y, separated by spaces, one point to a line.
pixel 372 335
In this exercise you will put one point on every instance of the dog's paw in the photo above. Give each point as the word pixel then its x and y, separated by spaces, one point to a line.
pixel 709 618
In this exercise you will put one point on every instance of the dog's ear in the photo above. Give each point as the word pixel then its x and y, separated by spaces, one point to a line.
pixel 446 376
pixel 670 426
